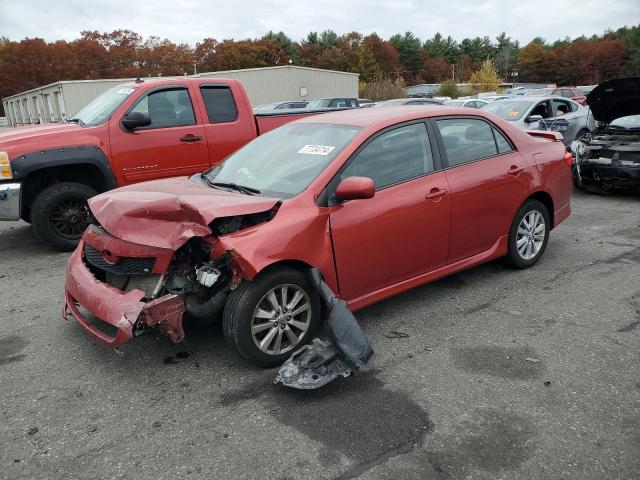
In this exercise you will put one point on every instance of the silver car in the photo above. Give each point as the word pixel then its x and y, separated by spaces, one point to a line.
pixel 549 113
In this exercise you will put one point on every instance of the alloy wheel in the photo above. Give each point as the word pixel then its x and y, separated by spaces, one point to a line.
pixel 281 319
pixel 530 235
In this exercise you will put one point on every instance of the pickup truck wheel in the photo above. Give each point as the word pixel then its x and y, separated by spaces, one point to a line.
pixel 60 215
pixel 529 234
pixel 267 319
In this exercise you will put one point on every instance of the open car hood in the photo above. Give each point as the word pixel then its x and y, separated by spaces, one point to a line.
pixel 166 213
pixel 614 99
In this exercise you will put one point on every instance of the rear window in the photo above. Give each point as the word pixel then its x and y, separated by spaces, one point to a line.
pixel 220 105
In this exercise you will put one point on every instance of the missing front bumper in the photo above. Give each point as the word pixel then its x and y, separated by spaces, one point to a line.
pixel 90 302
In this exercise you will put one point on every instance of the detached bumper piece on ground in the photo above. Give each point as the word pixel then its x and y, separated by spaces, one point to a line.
pixel 342 350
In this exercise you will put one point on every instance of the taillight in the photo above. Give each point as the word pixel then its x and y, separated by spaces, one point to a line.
pixel 569 159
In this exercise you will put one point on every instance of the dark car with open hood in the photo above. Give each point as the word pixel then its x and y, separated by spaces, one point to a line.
pixel 609 158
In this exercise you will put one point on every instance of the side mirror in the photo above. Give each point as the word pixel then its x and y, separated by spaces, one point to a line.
pixel 355 188
pixel 533 118
pixel 135 120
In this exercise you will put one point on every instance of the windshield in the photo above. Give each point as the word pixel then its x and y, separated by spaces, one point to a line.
pixel 508 109
pixel 628 122
pixel 454 103
pixel 101 109
pixel 284 161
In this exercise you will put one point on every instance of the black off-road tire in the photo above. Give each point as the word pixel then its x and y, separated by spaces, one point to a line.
pixel 513 258
pixel 45 203
pixel 242 302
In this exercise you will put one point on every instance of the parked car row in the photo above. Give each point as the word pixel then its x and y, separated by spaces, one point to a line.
pixel 320 104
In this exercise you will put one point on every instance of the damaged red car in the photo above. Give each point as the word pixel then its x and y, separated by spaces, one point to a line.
pixel 379 201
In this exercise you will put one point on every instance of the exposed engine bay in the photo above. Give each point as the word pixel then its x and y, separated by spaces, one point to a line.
pixel 608 160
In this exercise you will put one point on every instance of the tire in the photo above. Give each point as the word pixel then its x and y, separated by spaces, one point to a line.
pixel 252 297
pixel 69 200
pixel 532 251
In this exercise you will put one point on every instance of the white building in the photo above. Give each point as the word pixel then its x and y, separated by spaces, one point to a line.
pixel 54 102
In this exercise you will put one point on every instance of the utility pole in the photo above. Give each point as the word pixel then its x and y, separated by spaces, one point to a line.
pixel 453 72
pixel 195 68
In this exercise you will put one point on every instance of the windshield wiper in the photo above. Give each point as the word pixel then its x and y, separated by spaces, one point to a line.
pixel 233 186
pixel 75 120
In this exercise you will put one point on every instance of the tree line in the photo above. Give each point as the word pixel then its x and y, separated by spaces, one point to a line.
pixel 32 62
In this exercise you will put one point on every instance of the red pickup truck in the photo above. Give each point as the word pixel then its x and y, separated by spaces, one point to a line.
pixel 137 131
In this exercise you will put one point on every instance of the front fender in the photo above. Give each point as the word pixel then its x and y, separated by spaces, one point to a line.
pixel 24 165
pixel 307 240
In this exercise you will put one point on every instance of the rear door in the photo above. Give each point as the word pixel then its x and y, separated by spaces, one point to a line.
pixel 403 231
pixel 227 128
pixel 488 179
pixel 172 145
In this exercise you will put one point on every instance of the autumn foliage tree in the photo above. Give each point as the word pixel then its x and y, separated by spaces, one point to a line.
pixel 123 53
pixel 485 79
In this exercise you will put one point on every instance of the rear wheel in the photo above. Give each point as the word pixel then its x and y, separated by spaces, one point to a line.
pixel 529 234
pixel 60 214
pixel 266 319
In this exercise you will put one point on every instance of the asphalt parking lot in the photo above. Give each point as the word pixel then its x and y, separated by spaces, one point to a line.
pixel 491 373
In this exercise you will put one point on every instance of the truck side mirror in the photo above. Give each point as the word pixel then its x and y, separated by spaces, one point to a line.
pixel 135 120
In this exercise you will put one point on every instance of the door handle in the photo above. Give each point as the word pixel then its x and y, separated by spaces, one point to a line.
pixel 515 170
pixel 191 138
pixel 436 193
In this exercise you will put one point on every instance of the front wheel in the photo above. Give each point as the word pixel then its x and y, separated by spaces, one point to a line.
pixel 529 235
pixel 60 214
pixel 266 319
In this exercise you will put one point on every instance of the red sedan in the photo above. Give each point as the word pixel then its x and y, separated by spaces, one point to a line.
pixel 379 200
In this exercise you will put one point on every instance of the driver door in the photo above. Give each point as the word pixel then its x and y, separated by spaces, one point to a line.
pixel 403 231
pixel 173 145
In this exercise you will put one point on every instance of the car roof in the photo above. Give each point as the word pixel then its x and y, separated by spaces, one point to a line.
pixel 379 117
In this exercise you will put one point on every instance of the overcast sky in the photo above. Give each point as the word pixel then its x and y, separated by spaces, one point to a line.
pixel 191 20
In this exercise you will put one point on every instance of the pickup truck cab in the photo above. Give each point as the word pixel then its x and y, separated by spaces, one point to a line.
pixel 137 131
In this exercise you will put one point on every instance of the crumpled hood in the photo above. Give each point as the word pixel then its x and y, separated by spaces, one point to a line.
pixel 614 99
pixel 166 213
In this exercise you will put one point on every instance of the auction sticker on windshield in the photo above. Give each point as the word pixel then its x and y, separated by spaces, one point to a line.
pixel 316 149
pixel 126 91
